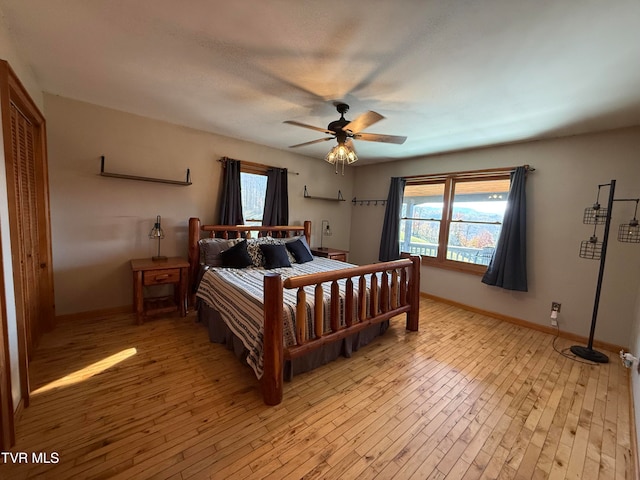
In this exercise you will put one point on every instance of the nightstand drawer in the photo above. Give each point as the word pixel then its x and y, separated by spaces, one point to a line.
pixel 342 257
pixel 158 277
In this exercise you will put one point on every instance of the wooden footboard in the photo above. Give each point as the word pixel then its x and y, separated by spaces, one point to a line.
pixel 397 292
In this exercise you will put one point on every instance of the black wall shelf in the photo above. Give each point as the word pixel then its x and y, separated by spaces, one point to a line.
pixel 339 198
pixel 143 179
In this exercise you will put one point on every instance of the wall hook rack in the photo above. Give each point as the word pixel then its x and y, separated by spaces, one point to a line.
pixel 143 179
pixel 368 201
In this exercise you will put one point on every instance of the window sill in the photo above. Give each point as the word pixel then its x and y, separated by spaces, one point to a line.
pixel 470 268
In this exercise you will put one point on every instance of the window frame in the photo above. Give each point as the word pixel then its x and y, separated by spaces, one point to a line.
pixel 255 169
pixel 449 180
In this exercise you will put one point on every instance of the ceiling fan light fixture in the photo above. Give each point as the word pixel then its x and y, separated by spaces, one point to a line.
pixel 344 131
pixel 341 153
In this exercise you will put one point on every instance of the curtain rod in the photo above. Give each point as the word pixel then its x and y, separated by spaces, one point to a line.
pixel 528 168
pixel 252 164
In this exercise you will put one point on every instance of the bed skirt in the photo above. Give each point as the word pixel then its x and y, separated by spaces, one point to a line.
pixel 220 333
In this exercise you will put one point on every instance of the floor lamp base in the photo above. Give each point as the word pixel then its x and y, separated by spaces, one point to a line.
pixel 589 354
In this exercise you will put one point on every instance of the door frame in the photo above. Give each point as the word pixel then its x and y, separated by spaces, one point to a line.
pixel 12 91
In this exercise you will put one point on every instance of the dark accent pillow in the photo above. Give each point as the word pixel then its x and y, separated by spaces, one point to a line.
pixel 299 251
pixel 237 256
pixel 303 239
pixel 274 256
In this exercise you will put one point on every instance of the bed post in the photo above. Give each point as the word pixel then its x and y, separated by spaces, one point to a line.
pixel 273 343
pixel 307 231
pixel 413 315
pixel 194 257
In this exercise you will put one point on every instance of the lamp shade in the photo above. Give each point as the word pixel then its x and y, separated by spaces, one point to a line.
pixel 156 232
pixel 629 232
pixel 591 249
pixel 595 215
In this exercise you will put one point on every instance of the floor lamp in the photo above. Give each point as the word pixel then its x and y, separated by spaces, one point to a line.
pixel 594 250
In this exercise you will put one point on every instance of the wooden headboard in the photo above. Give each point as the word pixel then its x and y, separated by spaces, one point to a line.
pixel 198 231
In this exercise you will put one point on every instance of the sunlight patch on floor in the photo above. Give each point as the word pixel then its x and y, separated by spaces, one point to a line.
pixel 88 371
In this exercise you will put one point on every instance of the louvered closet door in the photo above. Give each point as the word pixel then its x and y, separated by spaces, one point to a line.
pixel 23 137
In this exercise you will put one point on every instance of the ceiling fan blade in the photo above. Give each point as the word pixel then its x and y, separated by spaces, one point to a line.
pixel 311 142
pixel 378 137
pixel 363 121
pixel 304 125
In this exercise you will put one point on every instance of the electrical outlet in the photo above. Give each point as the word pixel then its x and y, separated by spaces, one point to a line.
pixel 555 308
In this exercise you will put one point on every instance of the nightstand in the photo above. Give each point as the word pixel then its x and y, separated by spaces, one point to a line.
pixel 332 253
pixel 148 273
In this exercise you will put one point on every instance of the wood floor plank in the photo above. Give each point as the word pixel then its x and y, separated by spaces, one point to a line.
pixel 467 397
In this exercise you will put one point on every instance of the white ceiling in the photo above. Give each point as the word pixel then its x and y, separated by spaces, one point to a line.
pixel 448 74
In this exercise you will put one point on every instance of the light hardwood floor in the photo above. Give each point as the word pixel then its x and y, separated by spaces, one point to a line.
pixel 466 397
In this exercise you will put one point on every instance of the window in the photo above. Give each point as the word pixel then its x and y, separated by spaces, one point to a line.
pixel 454 220
pixel 253 186
pixel 253 189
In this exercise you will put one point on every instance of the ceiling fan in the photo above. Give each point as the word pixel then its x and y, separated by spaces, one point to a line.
pixel 345 130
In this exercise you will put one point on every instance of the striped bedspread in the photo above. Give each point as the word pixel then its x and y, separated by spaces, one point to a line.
pixel 237 294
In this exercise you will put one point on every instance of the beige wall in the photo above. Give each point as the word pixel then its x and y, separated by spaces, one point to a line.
pixel 10 53
pixel 568 171
pixel 99 223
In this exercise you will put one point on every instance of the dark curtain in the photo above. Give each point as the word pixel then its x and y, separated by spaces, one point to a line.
pixel 508 267
pixel 276 203
pixel 390 240
pixel 231 202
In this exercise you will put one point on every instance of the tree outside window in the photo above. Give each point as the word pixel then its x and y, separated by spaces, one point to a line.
pixel 253 188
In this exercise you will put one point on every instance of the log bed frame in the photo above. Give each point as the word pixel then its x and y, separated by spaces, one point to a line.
pixel 397 293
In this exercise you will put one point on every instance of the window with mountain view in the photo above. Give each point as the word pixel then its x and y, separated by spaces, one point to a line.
pixel 454 220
